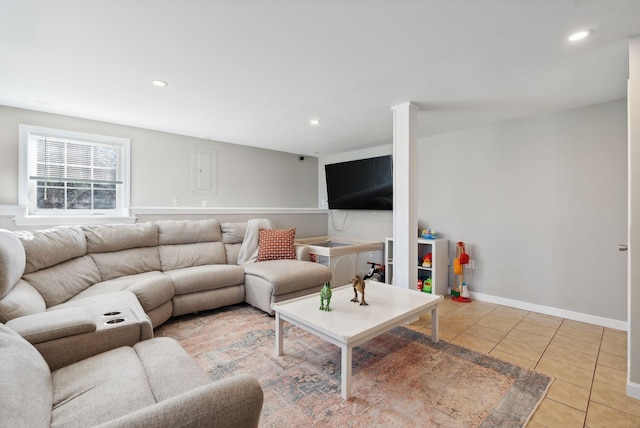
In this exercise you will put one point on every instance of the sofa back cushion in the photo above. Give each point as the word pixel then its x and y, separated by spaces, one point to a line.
pixel 26 395
pixel 123 249
pixel 126 262
pixel 187 255
pixel 232 251
pixel 63 281
pixel 12 261
pixel 233 233
pixel 186 243
pixel 115 237
pixel 45 248
pixel 175 232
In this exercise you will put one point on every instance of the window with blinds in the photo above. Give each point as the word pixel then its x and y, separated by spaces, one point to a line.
pixel 75 173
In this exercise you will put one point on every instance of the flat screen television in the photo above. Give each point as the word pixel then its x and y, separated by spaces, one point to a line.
pixel 364 184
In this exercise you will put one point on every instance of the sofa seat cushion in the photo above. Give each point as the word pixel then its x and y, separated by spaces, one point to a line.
pixel 287 276
pixel 27 392
pixel 170 369
pixel 201 278
pixel 118 382
pixel 103 302
pixel 100 388
pixel 151 288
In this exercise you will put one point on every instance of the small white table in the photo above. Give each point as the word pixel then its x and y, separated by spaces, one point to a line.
pixel 348 324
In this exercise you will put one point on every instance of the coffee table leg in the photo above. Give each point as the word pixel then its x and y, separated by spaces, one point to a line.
pixel 279 333
pixel 434 324
pixel 345 388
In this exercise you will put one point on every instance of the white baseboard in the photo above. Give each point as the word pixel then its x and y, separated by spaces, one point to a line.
pixel 556 312
pixel 633 390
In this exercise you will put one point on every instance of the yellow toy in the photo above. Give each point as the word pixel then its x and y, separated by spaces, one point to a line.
pixel 429 234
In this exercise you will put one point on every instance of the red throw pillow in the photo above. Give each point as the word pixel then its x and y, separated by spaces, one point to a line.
pixel 276 244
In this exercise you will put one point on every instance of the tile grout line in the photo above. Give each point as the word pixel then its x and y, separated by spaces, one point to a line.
pixel 593 379
pixel 590 388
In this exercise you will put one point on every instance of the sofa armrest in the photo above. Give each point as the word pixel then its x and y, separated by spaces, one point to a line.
pixel 46 326
pixel 70 334
pixel 233 402
pixel 302 253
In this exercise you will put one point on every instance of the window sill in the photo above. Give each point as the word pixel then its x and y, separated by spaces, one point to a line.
pixel 21 218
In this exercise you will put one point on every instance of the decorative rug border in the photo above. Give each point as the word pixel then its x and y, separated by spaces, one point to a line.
pixel 523 375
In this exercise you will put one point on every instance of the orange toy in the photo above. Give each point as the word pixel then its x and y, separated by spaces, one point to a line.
pixel 461 294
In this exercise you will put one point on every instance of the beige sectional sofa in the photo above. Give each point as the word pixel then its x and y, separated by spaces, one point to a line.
pixel 173 267
pixel 88 297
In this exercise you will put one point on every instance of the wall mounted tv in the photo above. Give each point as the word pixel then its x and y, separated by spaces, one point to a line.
pixel 364 184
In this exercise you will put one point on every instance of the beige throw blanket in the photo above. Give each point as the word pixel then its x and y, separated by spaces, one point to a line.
pixel 249 249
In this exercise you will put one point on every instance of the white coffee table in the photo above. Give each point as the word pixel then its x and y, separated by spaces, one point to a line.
pixel 348 324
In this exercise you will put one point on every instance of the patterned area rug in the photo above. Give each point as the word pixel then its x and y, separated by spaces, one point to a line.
pixel 400 379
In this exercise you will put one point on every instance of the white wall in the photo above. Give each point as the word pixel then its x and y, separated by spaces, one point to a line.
pixel 161 166
pixel 541 204
pixel 252 183
pixel 633 92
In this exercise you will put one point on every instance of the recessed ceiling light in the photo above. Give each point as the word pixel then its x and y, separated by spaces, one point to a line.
pixel 579 35
pixel 314 122
pixel 160 83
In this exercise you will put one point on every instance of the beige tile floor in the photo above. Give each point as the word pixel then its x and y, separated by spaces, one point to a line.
pixel 587 361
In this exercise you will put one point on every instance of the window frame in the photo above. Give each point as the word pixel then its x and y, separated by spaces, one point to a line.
pixel 27 188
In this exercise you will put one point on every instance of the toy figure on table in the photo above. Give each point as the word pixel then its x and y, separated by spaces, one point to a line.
pixel 325 297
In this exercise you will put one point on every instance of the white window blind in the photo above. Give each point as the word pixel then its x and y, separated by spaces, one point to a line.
pixel 71 173
pixel 66 160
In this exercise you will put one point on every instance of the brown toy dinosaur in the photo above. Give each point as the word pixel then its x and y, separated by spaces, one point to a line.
pixel 358 285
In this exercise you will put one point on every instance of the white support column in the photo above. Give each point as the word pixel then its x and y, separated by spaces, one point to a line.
pixel 405 195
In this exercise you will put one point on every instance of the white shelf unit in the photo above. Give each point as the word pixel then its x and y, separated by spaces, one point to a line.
pixel 439 270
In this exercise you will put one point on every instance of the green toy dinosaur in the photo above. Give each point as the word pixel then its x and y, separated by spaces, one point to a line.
pixel 325 297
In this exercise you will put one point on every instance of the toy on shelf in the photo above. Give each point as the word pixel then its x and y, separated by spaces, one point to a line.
pixel 461 293
pixel 375 273
pixel 426 261
pixel 426 287
pixel 428 234
pixel 420 285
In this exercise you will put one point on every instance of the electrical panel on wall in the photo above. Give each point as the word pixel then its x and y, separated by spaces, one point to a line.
pixel 204 170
